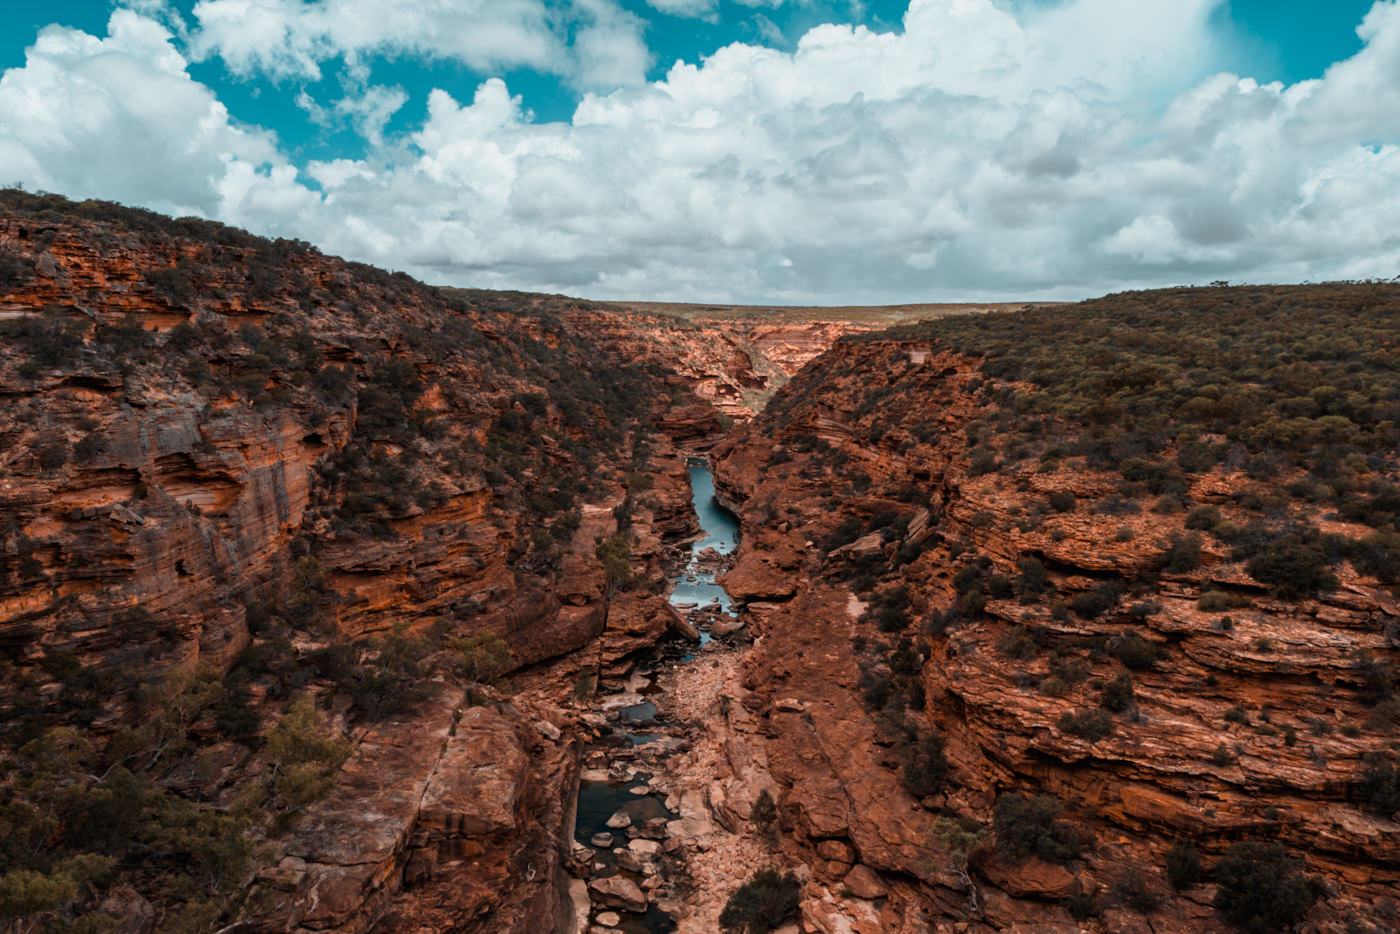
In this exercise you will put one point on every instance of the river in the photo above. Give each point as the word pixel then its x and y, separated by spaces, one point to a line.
pixel 616 782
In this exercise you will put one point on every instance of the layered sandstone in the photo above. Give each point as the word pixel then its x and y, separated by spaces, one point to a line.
pixel 1288 673
pixel 213 443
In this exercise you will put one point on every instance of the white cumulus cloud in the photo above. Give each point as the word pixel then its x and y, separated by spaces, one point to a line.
pixel 980 151
pixel 293 38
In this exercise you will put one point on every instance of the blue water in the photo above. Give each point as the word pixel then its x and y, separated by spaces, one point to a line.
pixel 720 531
pixel 720 526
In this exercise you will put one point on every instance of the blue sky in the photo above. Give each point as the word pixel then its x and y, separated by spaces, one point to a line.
pixel 804 150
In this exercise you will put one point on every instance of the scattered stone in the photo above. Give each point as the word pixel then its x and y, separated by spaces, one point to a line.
pixel 620 821
pixel 601 840
pixel 619 892
pixel 865 883
pixel 646 848
pixel 608 919
pixel 654 829
pixel 632 862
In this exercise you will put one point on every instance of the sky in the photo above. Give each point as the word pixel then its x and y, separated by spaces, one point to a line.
pixel 763 151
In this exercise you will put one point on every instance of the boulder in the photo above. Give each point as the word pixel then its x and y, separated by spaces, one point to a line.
pixel 865 883
pixel 618 892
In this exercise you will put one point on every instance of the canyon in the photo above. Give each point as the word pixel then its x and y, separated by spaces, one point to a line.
pixel 237 476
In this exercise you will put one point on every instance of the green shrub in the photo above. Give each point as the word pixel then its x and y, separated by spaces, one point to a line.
pixel 1261 889
pixel 1378 555
pixel 1089 725
pixel 1062 501
pixel 485 657
pixel 89 447
pixel 53 456
pixel 1183 862
pixel 925 767
pixel 1136 652
pixel 307 759
pixel 764 813
pixel 1080 902
pixel 1030 826
pixel 1098 601
pixel 981 461
pixel 1203 518
pixel 1380 784
pixel 1293 562
pixel 1183 556
pixel 765 903
pixel 1132 890
pixel 1030 577
pixel 392 677
pixel 1211 601
pixel 1118 694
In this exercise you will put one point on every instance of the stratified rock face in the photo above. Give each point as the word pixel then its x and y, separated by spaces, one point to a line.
pixel 440 820
pixel 1052 625
pixel 733 365
pixel 185 419
pixel 233 471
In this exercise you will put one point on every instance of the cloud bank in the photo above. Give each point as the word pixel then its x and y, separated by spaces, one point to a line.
pixel 977 153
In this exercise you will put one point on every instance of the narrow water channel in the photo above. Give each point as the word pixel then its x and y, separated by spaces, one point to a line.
pixel 695 587
pixel 621 820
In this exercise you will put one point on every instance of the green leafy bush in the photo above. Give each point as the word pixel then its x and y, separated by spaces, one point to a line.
pixel 1098 601
pixel 1118 694
pixel 1293 562
pixel 1380 784
pixel 1183 556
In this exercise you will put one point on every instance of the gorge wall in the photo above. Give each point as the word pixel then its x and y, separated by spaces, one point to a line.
pixel 1153 605
pixel 235 473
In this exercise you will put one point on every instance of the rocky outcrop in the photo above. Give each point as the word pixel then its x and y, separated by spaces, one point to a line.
pixel 212 443
pixel 733 363
pixel 429 823
pixel 1255 727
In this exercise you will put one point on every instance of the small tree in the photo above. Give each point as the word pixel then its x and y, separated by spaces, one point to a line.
pixel 616 554
pixel 1118 694
pixel 306 759
pixel 925 767
pixel 485 657
pixel 959 837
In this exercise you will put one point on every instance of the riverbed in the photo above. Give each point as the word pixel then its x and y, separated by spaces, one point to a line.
pixel 628 817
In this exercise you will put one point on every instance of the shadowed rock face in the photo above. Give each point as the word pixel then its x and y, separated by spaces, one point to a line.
pixel 1256 728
